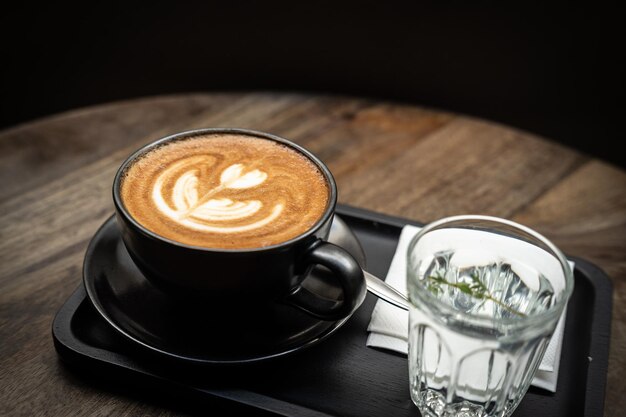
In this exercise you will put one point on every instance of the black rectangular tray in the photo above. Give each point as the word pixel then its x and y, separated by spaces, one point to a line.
pixel 341 376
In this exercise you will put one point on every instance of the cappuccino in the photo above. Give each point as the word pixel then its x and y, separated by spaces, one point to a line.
pixel 225 191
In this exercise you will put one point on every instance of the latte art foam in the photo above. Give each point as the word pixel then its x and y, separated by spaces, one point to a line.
pixel 206 213
pixel 225 191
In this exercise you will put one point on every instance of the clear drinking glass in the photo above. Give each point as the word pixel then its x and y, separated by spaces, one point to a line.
pixel 485 295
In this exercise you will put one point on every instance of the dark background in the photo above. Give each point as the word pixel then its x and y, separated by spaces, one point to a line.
pixel 556 70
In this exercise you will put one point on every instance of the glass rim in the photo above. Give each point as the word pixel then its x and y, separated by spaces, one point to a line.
pixel 482 320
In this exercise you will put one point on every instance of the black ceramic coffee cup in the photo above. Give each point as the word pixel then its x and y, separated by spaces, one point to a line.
pixel 247 280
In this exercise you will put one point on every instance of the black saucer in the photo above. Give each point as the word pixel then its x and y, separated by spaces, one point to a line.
pixel 186 331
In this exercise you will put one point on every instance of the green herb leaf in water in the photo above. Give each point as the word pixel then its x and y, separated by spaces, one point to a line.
pixel 476 289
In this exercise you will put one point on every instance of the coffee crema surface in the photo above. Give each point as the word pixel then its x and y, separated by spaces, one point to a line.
pixel 225 191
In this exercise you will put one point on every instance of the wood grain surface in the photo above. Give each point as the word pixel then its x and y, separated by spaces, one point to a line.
pixel 55 190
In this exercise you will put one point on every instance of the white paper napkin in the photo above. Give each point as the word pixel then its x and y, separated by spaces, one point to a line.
pixel 389 325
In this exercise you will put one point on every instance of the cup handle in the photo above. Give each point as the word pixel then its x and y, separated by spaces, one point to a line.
pixel 350 275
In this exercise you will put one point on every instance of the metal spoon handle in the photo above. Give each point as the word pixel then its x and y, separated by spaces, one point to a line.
pixel 385 292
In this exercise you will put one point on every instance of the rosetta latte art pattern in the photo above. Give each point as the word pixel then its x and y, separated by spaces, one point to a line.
pixel 207 212
pixel 225 191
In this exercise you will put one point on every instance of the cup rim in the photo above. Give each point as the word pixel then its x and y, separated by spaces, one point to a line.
pixel 484 321
pixel 188 134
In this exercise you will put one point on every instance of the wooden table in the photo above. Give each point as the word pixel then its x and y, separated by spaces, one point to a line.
pixel 55 190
